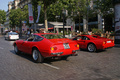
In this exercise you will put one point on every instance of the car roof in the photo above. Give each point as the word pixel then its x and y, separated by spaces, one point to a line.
pixel 89 36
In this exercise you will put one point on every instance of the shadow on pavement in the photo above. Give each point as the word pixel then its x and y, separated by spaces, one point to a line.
pixel 24 55
pixel 98 51
pixel 29 57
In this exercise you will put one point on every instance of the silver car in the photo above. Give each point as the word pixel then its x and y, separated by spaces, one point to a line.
pixel 12 36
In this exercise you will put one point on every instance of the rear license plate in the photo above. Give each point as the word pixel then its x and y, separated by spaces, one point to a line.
pixel 66 46
pixel 108 41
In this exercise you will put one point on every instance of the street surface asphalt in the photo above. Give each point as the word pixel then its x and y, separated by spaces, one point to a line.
pixel 103 65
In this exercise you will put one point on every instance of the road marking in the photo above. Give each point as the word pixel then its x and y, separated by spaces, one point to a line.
pixel 51 66
pixel 1 48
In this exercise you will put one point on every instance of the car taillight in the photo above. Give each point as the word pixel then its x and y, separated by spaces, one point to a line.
pixel 77 45
pixel 53 48
pixel 113 41
pixel 9 36
pixel 104 42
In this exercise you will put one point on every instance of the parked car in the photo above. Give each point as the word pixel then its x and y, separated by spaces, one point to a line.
pixel 11 36
pixel 93 42
pixel 44 45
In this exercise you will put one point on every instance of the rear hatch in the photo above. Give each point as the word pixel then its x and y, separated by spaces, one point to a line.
pixel 63 46
pixel 105 40
pixel 63 43
pixel 14 36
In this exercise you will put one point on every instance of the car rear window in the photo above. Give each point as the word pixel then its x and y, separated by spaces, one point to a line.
pixel 13 33
pixel 52 36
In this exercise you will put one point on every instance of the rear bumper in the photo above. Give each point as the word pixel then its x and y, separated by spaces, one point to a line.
pixel 108 46
pixel 64 53
pixel 13 38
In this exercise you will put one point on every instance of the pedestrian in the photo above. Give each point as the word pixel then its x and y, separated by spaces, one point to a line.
pixel 28 33
pixel 31 31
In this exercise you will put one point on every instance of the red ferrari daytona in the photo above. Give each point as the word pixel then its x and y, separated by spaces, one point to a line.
pixel 43 45
pixel 93 42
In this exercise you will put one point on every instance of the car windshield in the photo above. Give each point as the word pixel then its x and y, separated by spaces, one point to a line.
pixel 13 33
pixel 52 36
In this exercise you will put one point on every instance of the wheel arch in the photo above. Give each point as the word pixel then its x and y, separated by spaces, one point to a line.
pixel 35 47
pixel 40 58
pixel 91 43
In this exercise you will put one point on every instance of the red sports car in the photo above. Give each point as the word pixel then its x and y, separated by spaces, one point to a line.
pixel 93 42
pixel 43 45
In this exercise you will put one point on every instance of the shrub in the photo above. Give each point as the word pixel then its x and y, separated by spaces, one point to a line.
pixel 97 31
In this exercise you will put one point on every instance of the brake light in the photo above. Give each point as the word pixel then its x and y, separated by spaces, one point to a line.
pixel 103 42
pixel 77 45
pixel 53 48
pixel 113 41
pixel 9 36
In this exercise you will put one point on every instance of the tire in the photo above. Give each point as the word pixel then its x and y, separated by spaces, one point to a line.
pixel 16 50
pixel 91 47
pixel 37 57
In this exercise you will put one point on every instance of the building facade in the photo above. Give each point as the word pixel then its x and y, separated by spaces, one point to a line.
pixel 14 5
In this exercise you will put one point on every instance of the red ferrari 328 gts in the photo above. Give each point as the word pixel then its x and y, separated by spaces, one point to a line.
pixel 93 42
pixel 43 45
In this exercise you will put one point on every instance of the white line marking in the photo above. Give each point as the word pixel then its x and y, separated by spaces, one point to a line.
pixel 51 66
pixel 1 48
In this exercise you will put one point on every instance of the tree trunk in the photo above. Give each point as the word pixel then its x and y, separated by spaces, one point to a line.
pixel 45 17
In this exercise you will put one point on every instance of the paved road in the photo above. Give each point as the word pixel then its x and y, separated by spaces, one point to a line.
pixel 104 65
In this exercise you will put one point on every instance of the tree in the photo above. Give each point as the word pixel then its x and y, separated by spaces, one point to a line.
pixel 46 3
pixel 15 17
pixel 79 8
pixel 55 10
pixel 25 14
pixel 2 16
pixel 103 7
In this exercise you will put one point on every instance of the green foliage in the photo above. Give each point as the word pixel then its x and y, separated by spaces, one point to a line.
pixel 52 8
pixel 104 6
pixel 97 31
pixel 18 15
pixel 15 17
pixel 25 16
pixel 2 16
pixel 66 32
